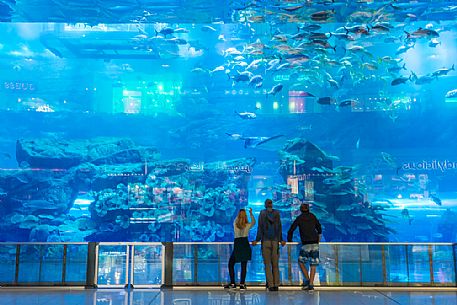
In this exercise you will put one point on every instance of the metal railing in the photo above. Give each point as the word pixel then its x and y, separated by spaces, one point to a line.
pixel 199 264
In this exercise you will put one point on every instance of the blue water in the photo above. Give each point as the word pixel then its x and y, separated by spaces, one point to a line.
pixel 136 122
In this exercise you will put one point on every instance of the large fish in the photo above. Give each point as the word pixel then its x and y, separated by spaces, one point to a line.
pixel 256 141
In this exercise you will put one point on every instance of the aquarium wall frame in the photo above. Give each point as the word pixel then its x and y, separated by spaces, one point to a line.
pixel 154 265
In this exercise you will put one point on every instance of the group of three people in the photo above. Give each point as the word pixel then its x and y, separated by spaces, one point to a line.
pixel 269 233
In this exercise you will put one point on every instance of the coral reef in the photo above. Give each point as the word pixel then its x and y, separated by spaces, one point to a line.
pixel 337 199
pixel 111 189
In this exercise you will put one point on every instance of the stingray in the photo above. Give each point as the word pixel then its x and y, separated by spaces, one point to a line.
pixel 253 142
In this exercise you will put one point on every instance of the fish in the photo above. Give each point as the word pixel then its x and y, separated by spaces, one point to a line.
pixel 357 29
pixel 451 94
pixel 232 51
pixel 256 80
pixel 400 80
pixel 404 49
pixel 433 43
pixel 380 28
pixel 390 60
pixel 321 36
pixel 244 76
pixel 436 199
pixel 253 142
pixel 322 15
pixel 422 80
pixel 405 214
pixel 199 70
pixel 208 28
pixel 389 159
pixel 176 40
pixel 272 64
pixel 397 68
pixel 217 69
pixel 359 50
pixel 292 7
pixel 38 204
pixel 181 30
pixel 443 71
pixel 346 103
pixel 309 27
pixel 246 115
pixel 326 100
pixel 275 89
pixel 423 33
pixel 234 136
pixel 333 83
pixel 165 31
pixel 345 36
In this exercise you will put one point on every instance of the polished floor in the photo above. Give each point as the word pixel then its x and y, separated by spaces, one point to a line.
pixel 220 297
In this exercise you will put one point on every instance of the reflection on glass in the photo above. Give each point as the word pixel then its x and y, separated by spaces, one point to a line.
pixel 418 264
pixel 7 263
pixel 112 265
pixel 397 268
pixel 148 265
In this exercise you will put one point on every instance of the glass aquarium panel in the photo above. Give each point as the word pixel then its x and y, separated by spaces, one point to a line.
pixel 7 264
pixel 213 264
pixel 329 272
pixel 184 263
pixel 129 125
pixel 76 267
pixel 30 260
pixel 419 264
pixel 52 264
pixel 148 265
pixel 284 266
pixel 443 264
pixel 296 275
pixel 112 264
pixel 256 268
pixel 396 264
pixel 372 265
pixel 349 263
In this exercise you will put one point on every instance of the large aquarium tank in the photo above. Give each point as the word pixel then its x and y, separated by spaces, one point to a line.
pixel 143 120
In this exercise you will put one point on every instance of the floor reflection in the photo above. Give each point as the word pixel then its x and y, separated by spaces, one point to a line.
pixel 37 296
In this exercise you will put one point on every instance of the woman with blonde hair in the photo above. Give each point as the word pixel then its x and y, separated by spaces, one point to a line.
pixel 241 247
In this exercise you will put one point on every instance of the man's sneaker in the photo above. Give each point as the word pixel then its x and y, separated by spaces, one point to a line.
pixel 273 288
pixel 230 286
pixel 305 285
pixel 310 287
pixel 242 286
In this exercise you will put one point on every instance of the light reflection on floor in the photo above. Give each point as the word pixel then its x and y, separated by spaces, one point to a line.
pixel 220 297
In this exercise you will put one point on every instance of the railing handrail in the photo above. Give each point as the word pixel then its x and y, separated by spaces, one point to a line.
pixel 166 254
pixel 226 243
